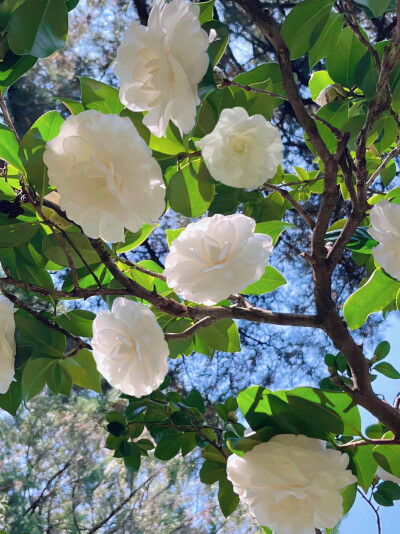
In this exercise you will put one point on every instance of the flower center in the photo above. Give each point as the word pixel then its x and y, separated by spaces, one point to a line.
pixel 112 179
pixel 240 142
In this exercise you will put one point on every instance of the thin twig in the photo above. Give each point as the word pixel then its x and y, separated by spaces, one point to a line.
pixel 227 83
pixel 378 519
pixel 395 152
pixel 203 323
pixel 286 195
pixel 7 118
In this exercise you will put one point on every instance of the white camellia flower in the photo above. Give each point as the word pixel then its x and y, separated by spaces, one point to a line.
pixel 242 151
pixel 129 348
pixel 292 483
pixel 215 257
pixel 384 475
pixel 105 174
pixel 161 66
pixel 7 343
pixel 385 221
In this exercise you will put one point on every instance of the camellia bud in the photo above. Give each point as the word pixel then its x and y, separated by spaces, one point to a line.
pixel 218 75
pixel 51 215
pixel 330 94
pixel 232 416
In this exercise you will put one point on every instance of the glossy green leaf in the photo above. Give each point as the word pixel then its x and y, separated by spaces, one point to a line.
pixel 133 240
pixel 32 148
pixel 53 251
pixel 387 369
pixel 41 335
pixel 366 466
pixel 375 8
pixel 9 148
pixel 188 196
pixel 38 27
pixel 341 63
pixel 11 400
pixel 270 280
pixel 388 457
pixel 377 293
pixel 34 376
pixel 206 11
pixel 381 351
pixel 304 24
pixel 14 232
pixel 13 67
pixel 74 106
pixel 222 335
pixel 99 96
pixel 77 322
pixel 227 498
pixel 273 229
pixel 211 472
pixel 327 39
pixel 82 370
pixel 318 81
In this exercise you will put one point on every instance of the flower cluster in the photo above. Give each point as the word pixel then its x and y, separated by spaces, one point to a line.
pixel 7 343
pixel 292 483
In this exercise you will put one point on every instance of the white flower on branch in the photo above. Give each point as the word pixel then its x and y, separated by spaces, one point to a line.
pixel 7 344
pixel 129 348
pixel 385 221
pixel 161 66
pixel 292 483
pixel 215 257
pixel 242 151
pixel 105 174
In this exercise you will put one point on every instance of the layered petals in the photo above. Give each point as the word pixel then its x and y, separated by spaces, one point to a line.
pixel 129 348
pixel 292 483
pixel 105 175
pixel 7 344
pixel 215 257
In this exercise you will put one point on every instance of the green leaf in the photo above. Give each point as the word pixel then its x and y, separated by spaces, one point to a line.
pixel 386 369
pixel 195 400
pixel 341 63
pixel 388 457
pixel 373 296
pixel 386 493
pixel 13 67
pixel 308 411
pixel 34 377
pixel 270 280
pixel 366 466
pixel 381 351
pixel 32 148
pixel 217 47
pixel 222 335
pixel 99 96
pixel 77 322
pixel 188 196
pixel 132 461
pixel 9 148
pixel 211 472
pixel 11 400
pixel 318 81
pixel 173 234
pixel 168 447
pixel 273 229
pixel 327 39
pixel 38 27
pixel 82 370
pixel 74 106
pixel 14 232
pixel 227 498
pixel 304 24
pixel 53 251
pixel 375 8
pixel 206 11
pixel 46 340
pixel 133 240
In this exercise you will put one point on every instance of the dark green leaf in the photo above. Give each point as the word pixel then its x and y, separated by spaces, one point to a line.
pixel 38 27
pixel 341 63
pixel 386 369
pixel 222 335
pixel 227 498
pixel 99 96
pixel 304 24
pixel 270 280
pixel 82 370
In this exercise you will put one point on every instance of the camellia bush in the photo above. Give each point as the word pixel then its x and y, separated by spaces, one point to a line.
pixel 78 194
